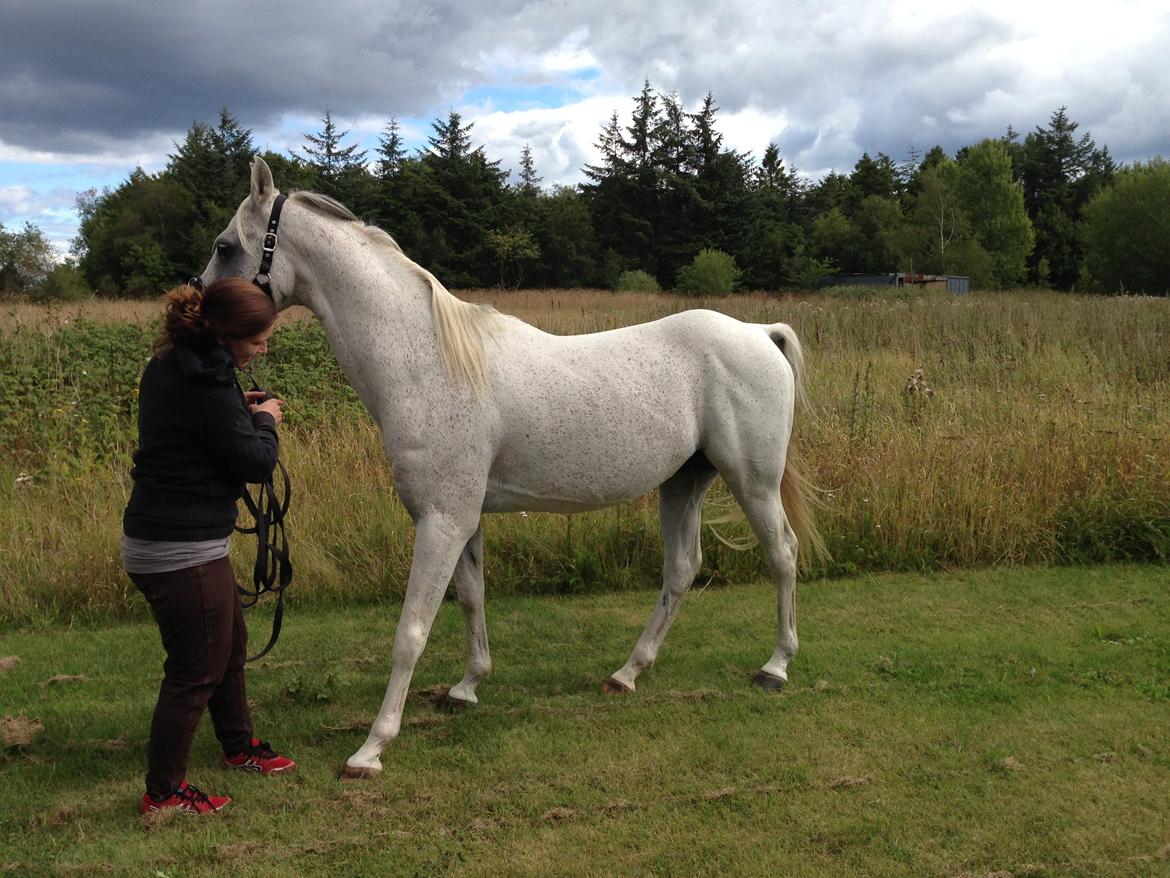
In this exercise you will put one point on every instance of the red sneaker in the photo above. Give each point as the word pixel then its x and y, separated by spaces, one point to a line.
pixel 186 798
pixel 260 758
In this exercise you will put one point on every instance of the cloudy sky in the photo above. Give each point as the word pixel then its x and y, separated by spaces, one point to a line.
pixel 91 88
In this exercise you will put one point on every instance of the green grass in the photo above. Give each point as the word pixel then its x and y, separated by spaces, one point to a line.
pixel 1008 722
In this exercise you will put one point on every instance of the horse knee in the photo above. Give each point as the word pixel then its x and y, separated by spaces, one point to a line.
pixel 408 644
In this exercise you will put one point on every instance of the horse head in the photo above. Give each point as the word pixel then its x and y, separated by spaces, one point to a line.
pixel 238 249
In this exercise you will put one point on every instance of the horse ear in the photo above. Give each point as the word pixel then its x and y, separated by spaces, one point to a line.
pixel 263 189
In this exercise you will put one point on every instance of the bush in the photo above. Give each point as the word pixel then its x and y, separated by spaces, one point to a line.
pixel 65 283
pixel 711 271
pixel 636 282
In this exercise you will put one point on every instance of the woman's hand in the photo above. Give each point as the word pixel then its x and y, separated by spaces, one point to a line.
pixel 270 406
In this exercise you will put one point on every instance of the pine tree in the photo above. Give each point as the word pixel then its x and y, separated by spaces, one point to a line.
pixel 451 141
pixel 638 145
pixel 326 153
pixel 1060 174
pixel 458 197
pixel 390 150
pixel 529 182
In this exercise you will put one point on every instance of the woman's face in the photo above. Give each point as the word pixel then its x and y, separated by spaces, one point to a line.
pixel 245 349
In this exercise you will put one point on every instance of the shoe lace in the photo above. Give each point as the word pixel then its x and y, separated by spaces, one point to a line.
pixel 262 750
pixel 194 794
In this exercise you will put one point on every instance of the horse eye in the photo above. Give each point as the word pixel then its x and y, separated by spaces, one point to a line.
pixel 222 249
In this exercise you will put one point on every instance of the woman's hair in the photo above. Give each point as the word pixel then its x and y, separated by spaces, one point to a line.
pixel 230 307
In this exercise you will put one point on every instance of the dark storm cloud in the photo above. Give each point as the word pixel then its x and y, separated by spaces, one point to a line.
pixel 829 80
pixel 75 76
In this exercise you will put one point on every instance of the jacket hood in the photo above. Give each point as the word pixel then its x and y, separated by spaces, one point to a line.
pixel 212 363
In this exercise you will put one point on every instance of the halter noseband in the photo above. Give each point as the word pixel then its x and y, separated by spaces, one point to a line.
pixel 267 249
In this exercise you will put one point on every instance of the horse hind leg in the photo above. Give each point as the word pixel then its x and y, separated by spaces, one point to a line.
pixel 469 588
pixel 680 507
pixel 765 514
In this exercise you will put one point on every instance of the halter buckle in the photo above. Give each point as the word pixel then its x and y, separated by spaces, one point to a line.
pixel 269 242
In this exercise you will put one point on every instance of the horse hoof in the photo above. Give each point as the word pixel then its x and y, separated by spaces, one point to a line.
pixel 769 682
pixel 615 687
pixel 357 773
pixel 451 704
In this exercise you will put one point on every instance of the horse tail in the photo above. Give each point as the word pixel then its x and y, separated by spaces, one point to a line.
pixel 798 495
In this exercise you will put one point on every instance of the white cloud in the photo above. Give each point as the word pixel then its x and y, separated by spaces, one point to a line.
pixel 562 139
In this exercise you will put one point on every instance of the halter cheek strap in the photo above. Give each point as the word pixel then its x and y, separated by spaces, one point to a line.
pixel 262 278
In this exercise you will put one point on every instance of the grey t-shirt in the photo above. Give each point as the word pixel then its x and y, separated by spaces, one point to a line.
pixel 163 556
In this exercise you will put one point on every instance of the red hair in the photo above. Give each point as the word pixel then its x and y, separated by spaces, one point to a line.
pixel 230 307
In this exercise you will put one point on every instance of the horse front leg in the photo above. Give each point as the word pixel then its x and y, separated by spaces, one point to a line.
pixel 439 540
pixel 469 587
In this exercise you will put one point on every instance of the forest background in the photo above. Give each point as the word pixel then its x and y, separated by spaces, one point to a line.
pixel 667 206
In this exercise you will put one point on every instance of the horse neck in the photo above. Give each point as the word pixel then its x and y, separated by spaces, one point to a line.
pixel 376 312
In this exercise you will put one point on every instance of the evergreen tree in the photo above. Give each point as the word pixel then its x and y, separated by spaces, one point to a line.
pixel 331 159
pixel 211 164
pixel 874 177
pixel 1060 172
pixel 564 232
pixel 390 150
pixel 451 141
pixel 682 219
pixel 529 181
pixel 458 197
pixel 772 245
pixel 620 225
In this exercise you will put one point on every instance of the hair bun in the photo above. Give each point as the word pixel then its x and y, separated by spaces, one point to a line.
pixel 184 317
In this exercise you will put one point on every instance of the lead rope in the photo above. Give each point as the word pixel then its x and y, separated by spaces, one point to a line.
pixel 273 571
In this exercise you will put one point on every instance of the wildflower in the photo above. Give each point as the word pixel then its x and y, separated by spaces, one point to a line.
pixel 917 386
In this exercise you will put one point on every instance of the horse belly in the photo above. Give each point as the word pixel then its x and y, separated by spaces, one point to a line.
pixel 589 462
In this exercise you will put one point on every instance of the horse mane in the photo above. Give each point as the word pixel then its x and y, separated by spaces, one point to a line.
pixel 460 327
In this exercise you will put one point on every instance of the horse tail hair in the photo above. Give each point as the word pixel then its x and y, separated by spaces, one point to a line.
pixel 798 495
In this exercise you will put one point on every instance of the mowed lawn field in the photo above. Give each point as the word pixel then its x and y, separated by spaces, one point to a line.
pixel 1011 722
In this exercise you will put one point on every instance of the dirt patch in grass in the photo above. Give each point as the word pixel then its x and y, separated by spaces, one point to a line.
pixel 66 678
pixel 8 662
pixel 557 814
pixel 17 732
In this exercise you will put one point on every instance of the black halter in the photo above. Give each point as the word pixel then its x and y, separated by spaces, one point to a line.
pixel 267 249
pixel 262 279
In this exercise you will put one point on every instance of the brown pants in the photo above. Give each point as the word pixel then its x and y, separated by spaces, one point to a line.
pixel 202 625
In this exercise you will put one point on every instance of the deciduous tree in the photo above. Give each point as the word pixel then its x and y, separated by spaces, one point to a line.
pixel 1127 231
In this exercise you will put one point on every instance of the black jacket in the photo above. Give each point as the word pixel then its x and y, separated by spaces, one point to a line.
pixel 197 447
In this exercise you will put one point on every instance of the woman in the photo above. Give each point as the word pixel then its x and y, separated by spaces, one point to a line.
pixel 200 439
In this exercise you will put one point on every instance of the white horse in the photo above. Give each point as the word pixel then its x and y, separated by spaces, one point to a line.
pixel 481 412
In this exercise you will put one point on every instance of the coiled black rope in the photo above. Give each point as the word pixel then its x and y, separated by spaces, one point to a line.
pixel 273 571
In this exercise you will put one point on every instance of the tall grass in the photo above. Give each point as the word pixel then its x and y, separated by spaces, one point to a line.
pixel 1041 439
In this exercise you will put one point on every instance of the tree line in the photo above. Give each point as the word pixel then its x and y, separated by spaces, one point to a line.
pixel 1048 209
